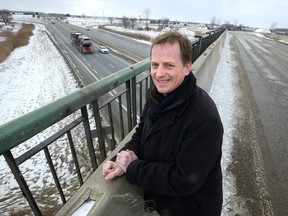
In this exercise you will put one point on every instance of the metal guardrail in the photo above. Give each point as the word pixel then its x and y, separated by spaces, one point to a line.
pixel 94 99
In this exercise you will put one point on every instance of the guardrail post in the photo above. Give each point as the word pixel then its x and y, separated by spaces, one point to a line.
pixel 89 138
pixel 134 101
pixel 128 99
pixel 54 174
pixel 99 130
pixel 113 141
pixel 22 183
pixel 199 46
pixel 121 118
pixel 75 159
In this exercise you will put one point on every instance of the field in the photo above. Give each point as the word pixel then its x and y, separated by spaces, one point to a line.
pixel 13 39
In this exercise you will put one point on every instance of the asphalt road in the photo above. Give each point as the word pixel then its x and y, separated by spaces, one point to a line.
pixel 261 150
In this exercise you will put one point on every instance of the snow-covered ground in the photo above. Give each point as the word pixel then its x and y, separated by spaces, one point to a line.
pixel 27 77
pixel 36 74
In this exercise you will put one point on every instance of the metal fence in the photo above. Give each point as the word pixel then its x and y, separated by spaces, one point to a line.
pixel 104 119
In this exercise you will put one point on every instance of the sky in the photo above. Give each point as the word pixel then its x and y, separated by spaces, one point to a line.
pixel 25 86
pixel 256 13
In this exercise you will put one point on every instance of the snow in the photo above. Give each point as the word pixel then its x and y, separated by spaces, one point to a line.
pixel 263 31
pixel 225 92
pixel 29 80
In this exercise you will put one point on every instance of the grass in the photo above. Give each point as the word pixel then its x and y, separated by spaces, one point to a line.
pixel 14 40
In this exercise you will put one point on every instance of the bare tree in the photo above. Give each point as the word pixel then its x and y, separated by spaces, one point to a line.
pixel 273 25
pixel 125 21
pixel 213 21
pixel 111 19
pixel 218 21
pixel 227 22
pixel 165 21
pixel 5 16
pixel 146 15
pixel 133 22
pixel 140 20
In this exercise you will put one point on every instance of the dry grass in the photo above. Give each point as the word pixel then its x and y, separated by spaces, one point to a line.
pixel 14 40
pixel 279 37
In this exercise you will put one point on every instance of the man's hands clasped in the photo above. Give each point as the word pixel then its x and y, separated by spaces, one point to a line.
pixel 115 169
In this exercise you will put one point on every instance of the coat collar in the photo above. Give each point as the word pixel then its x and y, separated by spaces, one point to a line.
pixel 177 107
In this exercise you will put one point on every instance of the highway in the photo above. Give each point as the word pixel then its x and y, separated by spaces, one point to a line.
pixel 261 150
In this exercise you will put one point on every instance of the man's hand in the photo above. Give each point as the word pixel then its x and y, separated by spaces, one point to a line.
pixel 124 158
pixel 111 170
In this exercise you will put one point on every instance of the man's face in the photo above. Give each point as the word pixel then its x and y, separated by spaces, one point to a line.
pixel 167 69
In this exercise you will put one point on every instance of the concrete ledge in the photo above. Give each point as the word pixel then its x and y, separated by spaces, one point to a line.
pixel 119 197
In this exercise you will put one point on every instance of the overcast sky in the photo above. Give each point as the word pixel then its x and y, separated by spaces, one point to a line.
pixel 254 13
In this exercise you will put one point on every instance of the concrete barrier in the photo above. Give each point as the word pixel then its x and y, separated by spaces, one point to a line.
pixel 119 197
pixel 205 66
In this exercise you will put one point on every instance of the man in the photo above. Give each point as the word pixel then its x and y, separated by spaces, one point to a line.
pixel 175 153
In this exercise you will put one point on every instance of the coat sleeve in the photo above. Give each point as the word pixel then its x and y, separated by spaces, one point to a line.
pixel 200 151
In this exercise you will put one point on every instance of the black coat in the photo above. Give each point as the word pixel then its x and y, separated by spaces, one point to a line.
pixel 179 156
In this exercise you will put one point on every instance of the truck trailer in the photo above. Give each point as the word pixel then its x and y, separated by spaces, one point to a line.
pixel 82 42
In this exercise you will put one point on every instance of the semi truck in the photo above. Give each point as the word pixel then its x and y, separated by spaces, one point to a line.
pixel 82 42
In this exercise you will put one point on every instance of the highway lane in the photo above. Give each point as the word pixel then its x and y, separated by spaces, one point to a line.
pixel 263 65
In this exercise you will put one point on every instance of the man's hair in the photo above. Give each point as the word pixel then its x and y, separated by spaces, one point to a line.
pixel 173 37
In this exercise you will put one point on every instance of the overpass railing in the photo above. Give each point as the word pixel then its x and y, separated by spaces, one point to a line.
pixel 82 123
